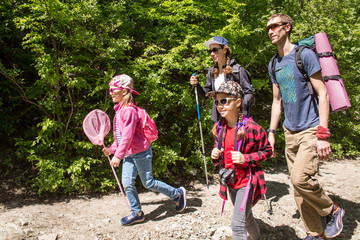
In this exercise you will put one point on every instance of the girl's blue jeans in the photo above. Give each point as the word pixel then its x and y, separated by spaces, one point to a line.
pixel 141 163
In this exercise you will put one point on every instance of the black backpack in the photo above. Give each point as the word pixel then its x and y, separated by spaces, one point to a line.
pixel 237 76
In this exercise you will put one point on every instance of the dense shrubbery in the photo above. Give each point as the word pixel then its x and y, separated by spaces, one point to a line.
pixel 57 58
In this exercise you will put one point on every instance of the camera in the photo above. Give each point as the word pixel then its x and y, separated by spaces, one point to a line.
pixel 226 175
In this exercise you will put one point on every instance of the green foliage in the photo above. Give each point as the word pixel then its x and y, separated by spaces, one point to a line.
pixel 58 56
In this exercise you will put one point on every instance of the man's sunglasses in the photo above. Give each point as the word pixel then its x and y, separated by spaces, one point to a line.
pixel 214 50
pixel 111 90
pixel 275 26
pixel 223 101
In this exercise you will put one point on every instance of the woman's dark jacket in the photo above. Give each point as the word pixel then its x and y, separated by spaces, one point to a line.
pixel 242 78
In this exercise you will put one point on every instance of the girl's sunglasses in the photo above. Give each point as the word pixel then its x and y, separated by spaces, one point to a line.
pixel 214 50
pixel 111 90
pixel 275 26
pixel 222 102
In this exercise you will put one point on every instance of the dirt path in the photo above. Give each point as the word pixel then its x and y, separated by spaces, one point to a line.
pixel 89 217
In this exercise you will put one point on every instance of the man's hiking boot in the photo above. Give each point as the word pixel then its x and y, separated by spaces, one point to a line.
pixel 318 237
pixel 334 221
pixel 133 218
pixel 180 201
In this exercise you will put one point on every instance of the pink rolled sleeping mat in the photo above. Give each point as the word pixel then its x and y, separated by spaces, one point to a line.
pixel 338 97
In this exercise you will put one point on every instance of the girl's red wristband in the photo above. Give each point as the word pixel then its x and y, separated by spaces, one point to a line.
pixel 323 133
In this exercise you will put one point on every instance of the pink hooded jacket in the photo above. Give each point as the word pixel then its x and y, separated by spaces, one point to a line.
pixel 132 141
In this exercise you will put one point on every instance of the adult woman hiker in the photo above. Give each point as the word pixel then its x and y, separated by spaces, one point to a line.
pixel 224 69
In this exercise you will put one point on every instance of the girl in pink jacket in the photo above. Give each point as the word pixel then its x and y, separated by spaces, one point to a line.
pixel 133 148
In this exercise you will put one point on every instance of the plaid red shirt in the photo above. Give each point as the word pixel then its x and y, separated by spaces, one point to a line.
pixel 256 149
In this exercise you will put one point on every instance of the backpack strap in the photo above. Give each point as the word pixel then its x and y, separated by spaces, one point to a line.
pixel 221 127
pixel 246 195
pixel 239 125
pixel 237 142
pixel 244 79
pixel 273 72
pixel 273 65
pixel 248 185
pixel 138 109
pixel 237 73
pixel 299 64
pixel 332 77
pixel 327 54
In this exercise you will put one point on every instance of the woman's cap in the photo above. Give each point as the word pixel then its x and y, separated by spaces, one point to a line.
pixel 123 81
pixel 217 40
pixel 228 87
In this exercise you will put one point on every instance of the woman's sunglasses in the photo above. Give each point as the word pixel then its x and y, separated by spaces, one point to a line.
pixel 214 50
pixel 275 26
pixel 222 102
pixel 111 90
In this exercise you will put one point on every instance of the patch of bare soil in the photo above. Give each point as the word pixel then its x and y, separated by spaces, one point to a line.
pixel 97 217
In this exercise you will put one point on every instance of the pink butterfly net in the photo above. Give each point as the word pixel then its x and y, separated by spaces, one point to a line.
pixel 96 126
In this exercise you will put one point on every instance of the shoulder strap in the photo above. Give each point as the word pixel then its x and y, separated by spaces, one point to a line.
pixel 273 71
pixel 138 109
pixel 120 113
pixel 298 51
pixel 237 73
pixel 237 142
pixel 220 133
pixel 239 125
pixel 299 64
pixel 273 65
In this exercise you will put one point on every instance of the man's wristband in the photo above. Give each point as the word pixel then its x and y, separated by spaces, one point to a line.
pixel 271 130
pixel 323 133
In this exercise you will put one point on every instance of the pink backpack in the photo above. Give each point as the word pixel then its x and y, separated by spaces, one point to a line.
pixel 148 126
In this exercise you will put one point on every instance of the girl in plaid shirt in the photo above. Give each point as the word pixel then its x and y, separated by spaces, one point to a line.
pixel 240 145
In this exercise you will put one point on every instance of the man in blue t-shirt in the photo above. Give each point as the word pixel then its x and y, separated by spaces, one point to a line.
pixel 306 128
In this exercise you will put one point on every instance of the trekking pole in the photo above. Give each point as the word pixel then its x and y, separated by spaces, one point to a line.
pixel 269 211
pixel 201 134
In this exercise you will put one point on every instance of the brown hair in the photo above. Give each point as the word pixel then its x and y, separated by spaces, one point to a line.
pixel 284 18
pixel 228 68
pixel 240 132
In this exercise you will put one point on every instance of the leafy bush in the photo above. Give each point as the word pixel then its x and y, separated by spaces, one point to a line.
pixel 57 58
